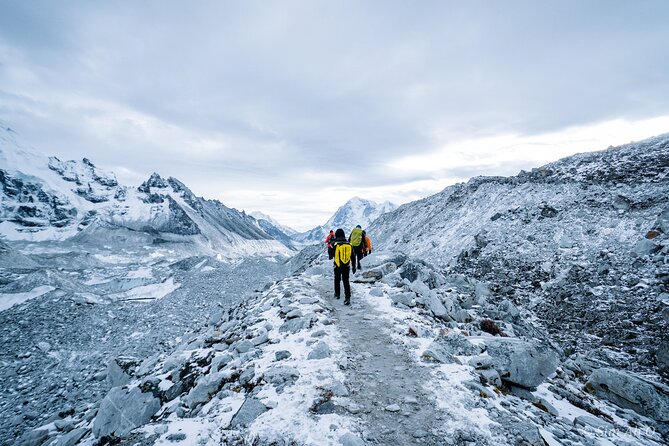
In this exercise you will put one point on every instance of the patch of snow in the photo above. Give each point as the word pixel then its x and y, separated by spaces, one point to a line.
pixel 10 299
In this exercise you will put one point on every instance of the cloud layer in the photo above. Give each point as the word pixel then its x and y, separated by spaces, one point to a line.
pixel 293 107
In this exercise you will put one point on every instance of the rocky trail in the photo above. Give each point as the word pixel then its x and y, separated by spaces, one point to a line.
pixel 386 387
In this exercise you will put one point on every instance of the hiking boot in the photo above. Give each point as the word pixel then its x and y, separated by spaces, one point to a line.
pixel 336 297
pixel 347 302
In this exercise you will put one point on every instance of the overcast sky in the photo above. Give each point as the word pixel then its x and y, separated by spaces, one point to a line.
pixel 292 108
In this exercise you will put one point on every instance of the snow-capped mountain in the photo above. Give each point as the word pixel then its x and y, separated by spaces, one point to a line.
pixel 275 229
pixel 49 199
pixel 356 211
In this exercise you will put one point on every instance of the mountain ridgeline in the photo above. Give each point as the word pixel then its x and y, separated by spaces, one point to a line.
pixel 49 199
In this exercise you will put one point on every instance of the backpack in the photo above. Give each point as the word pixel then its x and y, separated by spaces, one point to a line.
pixel 356 237
pixel 342 255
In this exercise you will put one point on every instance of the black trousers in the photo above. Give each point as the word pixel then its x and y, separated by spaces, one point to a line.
pixel 330 253
pixel 342 273
pixel 357 255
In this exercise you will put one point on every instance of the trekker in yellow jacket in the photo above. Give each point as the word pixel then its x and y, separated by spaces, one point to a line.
pixel 343 253
pixel 357 241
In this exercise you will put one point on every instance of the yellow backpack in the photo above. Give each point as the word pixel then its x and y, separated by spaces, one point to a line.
pixel 342 256
pixel 356 237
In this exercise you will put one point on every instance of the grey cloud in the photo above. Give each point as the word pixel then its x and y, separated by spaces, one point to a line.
pixel 330 86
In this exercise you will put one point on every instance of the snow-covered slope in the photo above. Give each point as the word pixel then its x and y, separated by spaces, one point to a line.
pixel 275 229
pixel 49 199
pixel 582 242
pixel 356 211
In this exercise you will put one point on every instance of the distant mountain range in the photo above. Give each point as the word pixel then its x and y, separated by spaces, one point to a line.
pixel 48 199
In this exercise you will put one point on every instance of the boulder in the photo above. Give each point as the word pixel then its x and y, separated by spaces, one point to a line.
pixel 321 351
pixel 297 324
pixel 455 311
pixel 522 363
pixel 33 438
pixel 282 354
pixel 490 376
pixel 349 439
pixel 207 386
pixel 433 303
pixel 406 298
pixel 646 247
pixel 249 411
pixel 281 377
pixel 457 344
pixel 630 392
pixel 123 410
pixel 121 370
pixel 438 352
pixel 72 437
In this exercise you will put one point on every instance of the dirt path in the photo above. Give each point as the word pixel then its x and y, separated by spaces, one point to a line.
pixel 386 386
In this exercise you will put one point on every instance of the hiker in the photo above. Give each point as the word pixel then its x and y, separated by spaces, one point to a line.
pixel 368 245
pixel 329 240
pixel 342 259
pixel 356 241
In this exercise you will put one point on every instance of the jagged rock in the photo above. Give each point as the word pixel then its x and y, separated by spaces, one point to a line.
pixel 646 247
pixel 72 437
pixel 297 324
pixel 247 376
pixel 438 352
pixel 592 422
pixel 339 389
pixel 294 314
pixel 321 351
pixel 309 300
pixel 490 376
pixel 244 346
pixel 478 388
pixel 35 437
pixel 249 411
pixel 220 361
pixel 457 344
pixel 406 299
pixel 123 410
pixel 454 311
pixel 630 392
pixel 206 387
pixel 281 377
pixel 521 363
pixel 433 303
pixel 64 425
pixel 393 280
pixel 121 370
pixel 260 339
pixel 372 276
